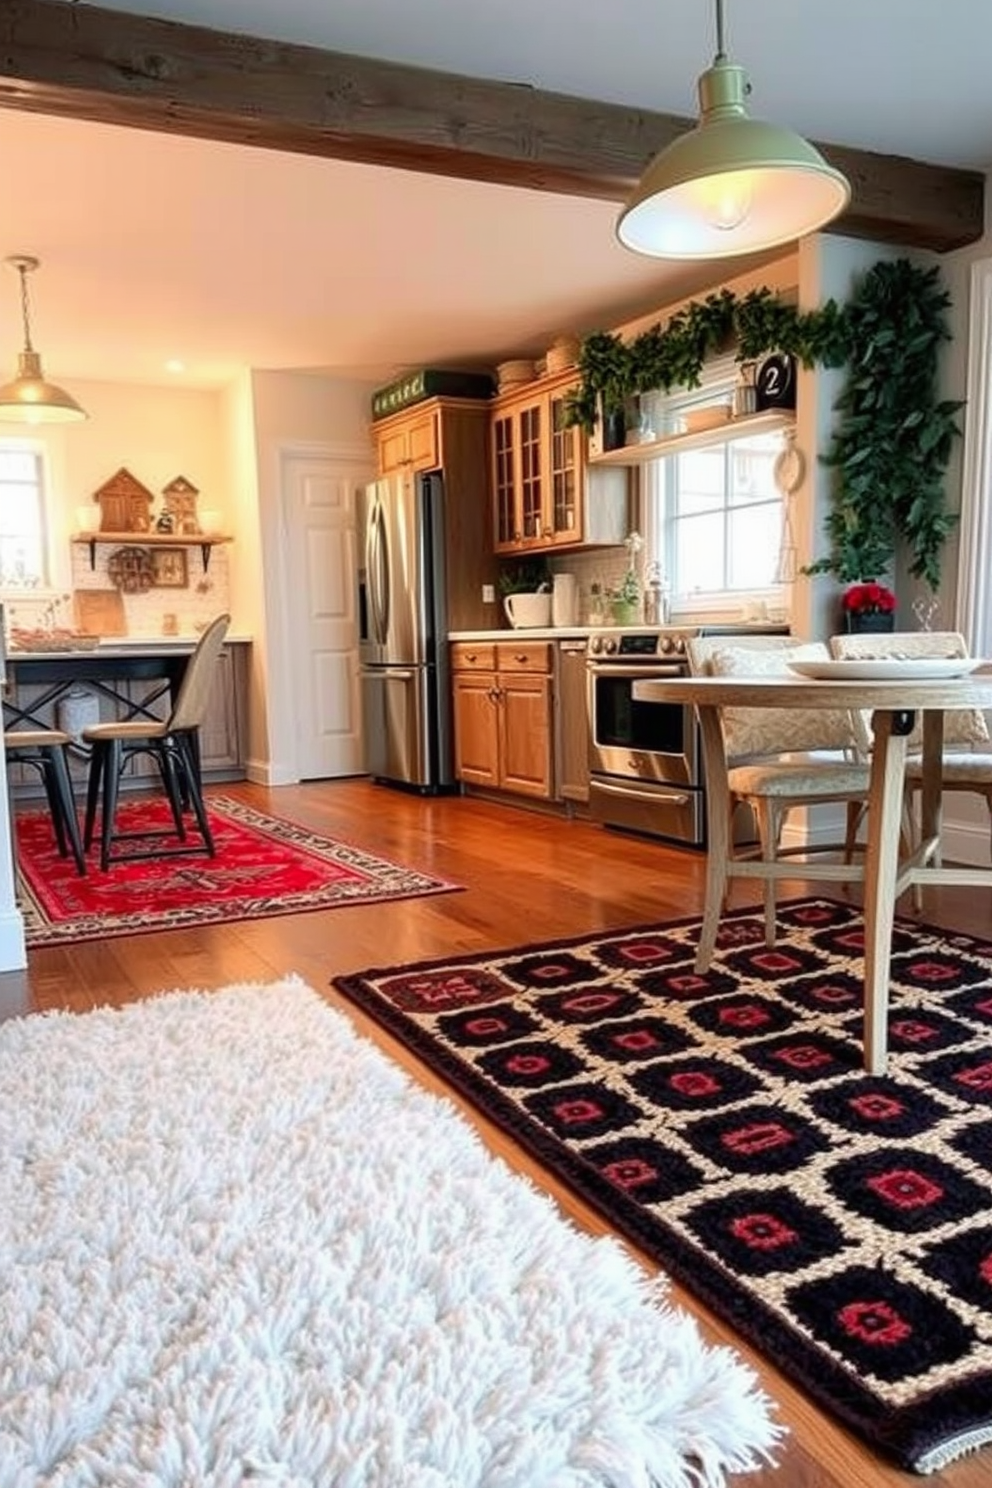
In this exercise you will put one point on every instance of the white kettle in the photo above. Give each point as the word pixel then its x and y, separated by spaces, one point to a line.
pixel 564 601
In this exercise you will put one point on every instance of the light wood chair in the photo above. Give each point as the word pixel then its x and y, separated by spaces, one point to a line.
pixel 174 746
pixel 964 768
pixel 779 759
pixel 45 750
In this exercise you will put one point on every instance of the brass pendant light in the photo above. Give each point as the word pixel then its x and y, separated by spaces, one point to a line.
pixel 731 185
pixel 29 399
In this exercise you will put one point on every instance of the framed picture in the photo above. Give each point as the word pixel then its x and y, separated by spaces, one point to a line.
pixel 169 568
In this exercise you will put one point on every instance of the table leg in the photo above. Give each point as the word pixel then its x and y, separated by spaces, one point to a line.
pixel 717 832
pixel 885 794
pixel 931 793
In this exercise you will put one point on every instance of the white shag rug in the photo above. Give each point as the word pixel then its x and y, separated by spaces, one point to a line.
pixel 238 1245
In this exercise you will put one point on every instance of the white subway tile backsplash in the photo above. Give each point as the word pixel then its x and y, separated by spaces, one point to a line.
pixel 148 613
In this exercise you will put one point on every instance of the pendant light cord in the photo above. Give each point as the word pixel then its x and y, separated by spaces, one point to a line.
pixel 25 307
pixel 721 55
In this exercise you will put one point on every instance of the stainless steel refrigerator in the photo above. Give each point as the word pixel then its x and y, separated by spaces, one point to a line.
pixel 406 697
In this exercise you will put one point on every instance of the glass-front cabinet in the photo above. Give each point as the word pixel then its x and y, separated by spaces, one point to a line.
pixel 540 479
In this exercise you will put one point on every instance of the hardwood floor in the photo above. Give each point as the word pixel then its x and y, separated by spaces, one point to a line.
pixel 527 876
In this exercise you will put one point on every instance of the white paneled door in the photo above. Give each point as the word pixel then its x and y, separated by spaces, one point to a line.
pixel 320 502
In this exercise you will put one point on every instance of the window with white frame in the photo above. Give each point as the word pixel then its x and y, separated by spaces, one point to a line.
pixel 713 516
pixel 23 544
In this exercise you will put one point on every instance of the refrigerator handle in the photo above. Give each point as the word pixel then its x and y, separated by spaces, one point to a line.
pixel 381 573
pixel 374 570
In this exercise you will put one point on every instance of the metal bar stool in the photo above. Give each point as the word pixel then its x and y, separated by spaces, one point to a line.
pixel 173 744
pixel 45 751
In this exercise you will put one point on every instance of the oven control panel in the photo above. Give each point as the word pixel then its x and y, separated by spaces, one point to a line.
pixel 646 645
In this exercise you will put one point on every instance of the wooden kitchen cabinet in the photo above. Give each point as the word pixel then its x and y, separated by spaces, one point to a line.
pixel 409 440
pixel 223 732
pixel 545 494
pixel 450 435
pixel 504 716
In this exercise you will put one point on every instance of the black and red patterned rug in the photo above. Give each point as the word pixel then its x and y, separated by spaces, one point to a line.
pixel 841 1221
pixel 264 866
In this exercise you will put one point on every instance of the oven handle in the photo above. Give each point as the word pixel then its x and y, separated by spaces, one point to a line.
pixel 657 793
pixel 645 673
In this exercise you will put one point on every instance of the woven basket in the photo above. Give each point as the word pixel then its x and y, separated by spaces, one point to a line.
pixel 51 640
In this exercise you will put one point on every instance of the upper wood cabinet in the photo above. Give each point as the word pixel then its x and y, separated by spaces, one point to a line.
pixel 542 488
pixel 450 435
pixel 409 440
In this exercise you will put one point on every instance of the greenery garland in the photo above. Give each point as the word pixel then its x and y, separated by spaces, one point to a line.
pixel 892 443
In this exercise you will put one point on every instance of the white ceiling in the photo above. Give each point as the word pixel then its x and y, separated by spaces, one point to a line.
pixel 155 247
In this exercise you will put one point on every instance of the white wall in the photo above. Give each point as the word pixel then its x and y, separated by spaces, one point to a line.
pixel 157 433
pixel 829 267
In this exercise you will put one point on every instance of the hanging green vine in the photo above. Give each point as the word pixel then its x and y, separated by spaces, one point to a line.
pixel 893 438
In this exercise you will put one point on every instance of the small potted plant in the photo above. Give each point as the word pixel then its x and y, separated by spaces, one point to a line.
pixel 625 597
pixel 869 607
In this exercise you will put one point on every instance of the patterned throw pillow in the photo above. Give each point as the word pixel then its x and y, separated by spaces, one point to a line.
pixel 756 731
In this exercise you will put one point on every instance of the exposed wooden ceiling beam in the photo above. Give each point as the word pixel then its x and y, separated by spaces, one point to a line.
pixel 82 61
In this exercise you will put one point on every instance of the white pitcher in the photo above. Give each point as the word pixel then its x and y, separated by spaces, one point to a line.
pixel 528 611
pixel 564 601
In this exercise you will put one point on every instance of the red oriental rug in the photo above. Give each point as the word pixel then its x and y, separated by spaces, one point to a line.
pixel 724 1122
pixel 264 866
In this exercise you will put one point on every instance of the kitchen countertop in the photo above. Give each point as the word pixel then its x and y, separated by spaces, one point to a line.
pixel 122 646
pixel 527 633
pixel 565 632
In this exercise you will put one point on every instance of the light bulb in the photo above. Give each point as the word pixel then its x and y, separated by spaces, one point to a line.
pixel 726 199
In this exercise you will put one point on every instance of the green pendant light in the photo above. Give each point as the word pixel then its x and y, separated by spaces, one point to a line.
pixel 733 184
pixel 29 399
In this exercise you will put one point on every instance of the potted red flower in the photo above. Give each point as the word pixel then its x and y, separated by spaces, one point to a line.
pixel 869 606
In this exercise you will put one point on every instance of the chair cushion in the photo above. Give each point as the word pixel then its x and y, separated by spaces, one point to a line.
pixel 756 731
pixel 958 769
pixel 802 779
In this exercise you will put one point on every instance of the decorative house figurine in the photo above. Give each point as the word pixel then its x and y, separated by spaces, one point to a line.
pixel 180 503
pixel 125 504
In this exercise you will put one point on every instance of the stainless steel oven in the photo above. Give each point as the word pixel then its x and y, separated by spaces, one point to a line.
pixel 645 759
pixel 645 766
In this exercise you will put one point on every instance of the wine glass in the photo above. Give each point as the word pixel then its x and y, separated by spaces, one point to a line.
pixel 925 608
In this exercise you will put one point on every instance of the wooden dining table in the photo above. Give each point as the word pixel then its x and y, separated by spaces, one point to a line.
pixel 885 872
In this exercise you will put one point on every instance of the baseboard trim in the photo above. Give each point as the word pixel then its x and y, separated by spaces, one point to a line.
pixel 263 772
pixel 964 842
pixel 13 951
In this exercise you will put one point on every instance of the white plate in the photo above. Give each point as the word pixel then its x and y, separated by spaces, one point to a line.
pixel 888 669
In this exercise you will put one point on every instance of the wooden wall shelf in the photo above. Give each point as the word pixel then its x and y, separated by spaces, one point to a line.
pixel 202 540
pixel 675 444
